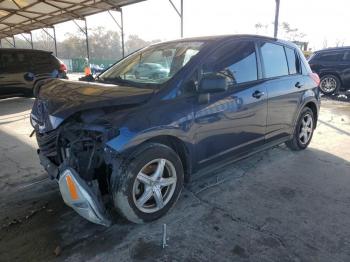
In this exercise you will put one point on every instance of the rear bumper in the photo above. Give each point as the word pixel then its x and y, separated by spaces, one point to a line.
pixel 76 193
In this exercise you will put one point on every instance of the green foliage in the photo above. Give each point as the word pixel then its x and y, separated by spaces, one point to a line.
pixel 105 45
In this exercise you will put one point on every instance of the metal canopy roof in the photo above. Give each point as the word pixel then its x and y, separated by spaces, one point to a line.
pixel 23 16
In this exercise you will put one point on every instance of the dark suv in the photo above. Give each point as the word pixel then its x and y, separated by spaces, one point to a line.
pixel 135 139
pixel 333 67
pixel 20 69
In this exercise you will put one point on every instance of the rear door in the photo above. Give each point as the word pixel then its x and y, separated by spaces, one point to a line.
pixel 232 120
pixel 285 85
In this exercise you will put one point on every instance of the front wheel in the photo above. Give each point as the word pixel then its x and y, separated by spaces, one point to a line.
pixel 150 184
pixel 304 130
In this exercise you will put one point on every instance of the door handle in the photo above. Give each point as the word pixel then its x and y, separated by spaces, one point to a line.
pixel 257 94
pixel 298 85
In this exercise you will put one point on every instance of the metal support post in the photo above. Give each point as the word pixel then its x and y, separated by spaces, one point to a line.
pixel 14 41
pixel 29 41
pixel 275 33
pixel 8 41
pixel 121 28
pixel 85 32
pixel 87 41
pixel 54 39
pixel 180 14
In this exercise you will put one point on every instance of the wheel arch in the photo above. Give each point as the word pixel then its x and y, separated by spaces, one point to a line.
pixel 179 147
pixel 314 109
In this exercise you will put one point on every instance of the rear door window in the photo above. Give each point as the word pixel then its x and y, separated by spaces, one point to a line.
pixel 236 61
pixel 331 56
pixel 274 60
pixel 13 62
pixel 293 61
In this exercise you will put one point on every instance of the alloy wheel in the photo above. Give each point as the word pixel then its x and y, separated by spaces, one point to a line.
pixel 154 185
pixel 328 84
pixel 306 129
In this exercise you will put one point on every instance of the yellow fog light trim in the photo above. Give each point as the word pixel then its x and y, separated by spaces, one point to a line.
pixel 71 187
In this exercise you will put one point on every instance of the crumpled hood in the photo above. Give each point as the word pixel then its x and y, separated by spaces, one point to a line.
pixel 63 98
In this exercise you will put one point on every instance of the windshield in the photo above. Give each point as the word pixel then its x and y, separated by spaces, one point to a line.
pixel 152 65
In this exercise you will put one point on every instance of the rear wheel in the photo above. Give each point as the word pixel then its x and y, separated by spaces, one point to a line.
pixel 329 84
pixel 150 184
pixel 304 130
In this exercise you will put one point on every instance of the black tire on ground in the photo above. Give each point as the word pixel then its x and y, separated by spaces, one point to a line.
pixel 296 142
pixel 123 190
pixel 332 79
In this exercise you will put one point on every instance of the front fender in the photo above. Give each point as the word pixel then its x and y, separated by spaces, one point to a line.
pixel 128 139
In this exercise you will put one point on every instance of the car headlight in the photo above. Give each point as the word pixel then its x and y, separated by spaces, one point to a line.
pixel 55 121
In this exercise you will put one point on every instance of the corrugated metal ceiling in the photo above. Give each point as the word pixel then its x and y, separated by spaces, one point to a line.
pixel 22 16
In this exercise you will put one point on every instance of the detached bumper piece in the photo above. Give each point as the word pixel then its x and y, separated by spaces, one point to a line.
pixel 79 196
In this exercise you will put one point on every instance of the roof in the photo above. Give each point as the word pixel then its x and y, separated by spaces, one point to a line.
pixel 333 49
pixel 23 16
pixel 20 50
pixel 227 37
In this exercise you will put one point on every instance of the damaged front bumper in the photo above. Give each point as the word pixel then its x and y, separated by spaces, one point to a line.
pixel 77 194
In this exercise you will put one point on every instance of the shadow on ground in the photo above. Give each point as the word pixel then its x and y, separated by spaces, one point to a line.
pixel 256 209
pixel 15 105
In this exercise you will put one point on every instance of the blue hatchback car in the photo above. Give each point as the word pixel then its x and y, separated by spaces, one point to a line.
pixel 133 141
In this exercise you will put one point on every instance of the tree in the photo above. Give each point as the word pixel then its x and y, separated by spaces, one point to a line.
pixel 44 42
pixel 325 43
pixel 339 42
pixel 134 43
pixel 292 34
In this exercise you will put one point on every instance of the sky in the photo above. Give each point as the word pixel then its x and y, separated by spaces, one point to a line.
pixel 155 19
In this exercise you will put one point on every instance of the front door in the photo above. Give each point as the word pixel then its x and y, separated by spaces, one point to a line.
pixel 235 119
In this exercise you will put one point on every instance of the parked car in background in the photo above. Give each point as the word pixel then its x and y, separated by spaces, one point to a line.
pixel 96 69
pixel 134 141
pixel 333 67
pixel 150 70
pixel 21 69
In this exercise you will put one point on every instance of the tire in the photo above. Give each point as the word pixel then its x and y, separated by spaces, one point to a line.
pixel 135 188
pixel 28 94
pixel 297 142
pixel 329 84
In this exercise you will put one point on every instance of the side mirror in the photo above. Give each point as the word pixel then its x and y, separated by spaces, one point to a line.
pixel 212 83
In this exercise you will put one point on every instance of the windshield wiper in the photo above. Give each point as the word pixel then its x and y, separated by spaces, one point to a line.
pixel 117 80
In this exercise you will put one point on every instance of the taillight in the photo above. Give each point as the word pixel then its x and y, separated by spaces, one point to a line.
pixel 315 77
pixel 63 68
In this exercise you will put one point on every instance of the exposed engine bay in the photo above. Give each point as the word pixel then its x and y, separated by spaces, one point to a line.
pixel 78 145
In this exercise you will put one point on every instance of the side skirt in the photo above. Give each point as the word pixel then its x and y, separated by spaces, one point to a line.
pixel 214 168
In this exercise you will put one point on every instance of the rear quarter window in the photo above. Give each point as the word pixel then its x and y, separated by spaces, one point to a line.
pixel 293 61
pixel 43 62
pixel 274 60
